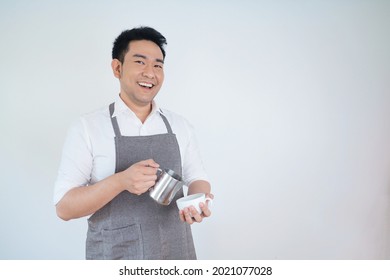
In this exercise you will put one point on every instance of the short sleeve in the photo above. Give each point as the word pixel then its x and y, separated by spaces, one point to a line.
pixel 193 168
pixel 76 161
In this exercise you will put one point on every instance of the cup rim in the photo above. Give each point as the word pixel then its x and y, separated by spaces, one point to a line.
pixel 190 197
pixel 173 174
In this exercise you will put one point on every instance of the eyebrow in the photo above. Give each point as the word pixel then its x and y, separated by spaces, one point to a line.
pixel 144 57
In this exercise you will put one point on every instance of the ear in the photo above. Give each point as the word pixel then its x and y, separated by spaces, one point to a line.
pixel 116 66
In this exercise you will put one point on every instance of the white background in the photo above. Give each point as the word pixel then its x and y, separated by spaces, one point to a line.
pixel 290 101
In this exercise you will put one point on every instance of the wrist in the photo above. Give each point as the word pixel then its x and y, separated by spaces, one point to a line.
pixel 118 182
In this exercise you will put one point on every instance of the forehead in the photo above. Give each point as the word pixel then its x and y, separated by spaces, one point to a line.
pixel 146 48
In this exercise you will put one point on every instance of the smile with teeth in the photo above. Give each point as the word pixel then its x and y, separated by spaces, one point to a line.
pixel 147 85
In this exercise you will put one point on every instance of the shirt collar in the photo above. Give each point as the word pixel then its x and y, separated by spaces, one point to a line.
pixel 121 108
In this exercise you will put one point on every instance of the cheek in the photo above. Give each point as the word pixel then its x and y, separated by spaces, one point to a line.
pixel 130 72
pixel 160 76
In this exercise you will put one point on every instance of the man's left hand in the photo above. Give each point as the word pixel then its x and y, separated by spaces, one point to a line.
pixel 190 215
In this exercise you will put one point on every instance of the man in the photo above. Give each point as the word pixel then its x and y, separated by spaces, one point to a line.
pixel 111 156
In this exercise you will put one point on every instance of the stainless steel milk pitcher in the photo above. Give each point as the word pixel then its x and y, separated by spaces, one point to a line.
pixel 168 183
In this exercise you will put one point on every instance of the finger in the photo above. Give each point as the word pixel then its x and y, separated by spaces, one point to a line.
pixel 181 216
pixel 150 163
pixel 147 184
pixel 206 210
pixel 195 215
pixel 147 178
pixel 142 187
pixel 210 195
pixel 188 217
pixel 148 170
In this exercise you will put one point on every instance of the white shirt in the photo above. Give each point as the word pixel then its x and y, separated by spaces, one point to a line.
pixel 88 154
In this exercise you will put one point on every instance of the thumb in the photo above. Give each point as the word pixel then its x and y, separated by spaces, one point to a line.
pixel 149 162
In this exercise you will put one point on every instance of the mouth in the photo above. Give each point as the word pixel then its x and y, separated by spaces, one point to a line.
pixel 146 85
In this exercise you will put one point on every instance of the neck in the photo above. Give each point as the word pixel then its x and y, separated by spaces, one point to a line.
pixel 142 111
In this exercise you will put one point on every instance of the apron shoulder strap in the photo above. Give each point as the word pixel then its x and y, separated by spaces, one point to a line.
pixel 116 126
pixel 168 126
pixel 114 121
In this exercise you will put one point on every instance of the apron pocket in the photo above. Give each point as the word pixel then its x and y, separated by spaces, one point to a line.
pixel 123 243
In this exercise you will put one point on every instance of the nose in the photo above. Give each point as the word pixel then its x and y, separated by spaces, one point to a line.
pixel 148 71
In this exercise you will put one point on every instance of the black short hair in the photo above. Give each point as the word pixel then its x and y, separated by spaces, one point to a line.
pixel 121 43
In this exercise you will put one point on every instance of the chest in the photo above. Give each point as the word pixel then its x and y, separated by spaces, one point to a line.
pixel 103 146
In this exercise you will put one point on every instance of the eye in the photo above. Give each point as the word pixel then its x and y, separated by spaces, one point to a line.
pixel 158 66
pixel 140 62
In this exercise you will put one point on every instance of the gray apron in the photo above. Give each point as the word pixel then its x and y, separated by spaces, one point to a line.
pixel 135 226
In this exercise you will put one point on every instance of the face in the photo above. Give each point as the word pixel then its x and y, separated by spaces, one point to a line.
pixel 142 73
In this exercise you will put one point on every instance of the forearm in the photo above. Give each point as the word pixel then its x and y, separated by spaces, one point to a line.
pixel 199 186
pixel 82 201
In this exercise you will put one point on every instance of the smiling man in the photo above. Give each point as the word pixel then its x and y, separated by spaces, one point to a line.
pixel 140 74
pixel 111 156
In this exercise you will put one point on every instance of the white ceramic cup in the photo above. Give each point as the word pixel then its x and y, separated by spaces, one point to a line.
pixel 193 200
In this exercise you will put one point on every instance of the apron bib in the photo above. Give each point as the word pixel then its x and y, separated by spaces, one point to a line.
pixel 135 226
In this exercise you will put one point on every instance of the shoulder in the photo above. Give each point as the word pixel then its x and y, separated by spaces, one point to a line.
pixel 92 123
pixel 97 115
pixel 96 119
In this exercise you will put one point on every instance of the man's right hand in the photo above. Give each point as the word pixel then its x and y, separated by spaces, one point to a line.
pixel 140 177
pixel 81 201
